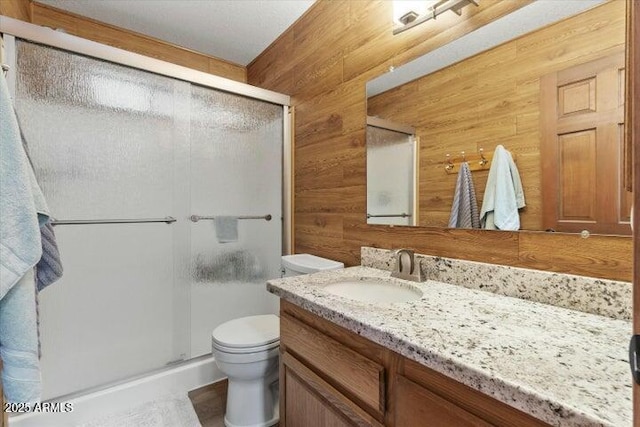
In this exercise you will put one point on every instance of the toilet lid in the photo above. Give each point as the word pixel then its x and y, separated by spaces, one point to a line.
pixel 248 332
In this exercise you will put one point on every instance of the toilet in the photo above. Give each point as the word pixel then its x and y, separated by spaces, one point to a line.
pixel 246 350
pixel 295 265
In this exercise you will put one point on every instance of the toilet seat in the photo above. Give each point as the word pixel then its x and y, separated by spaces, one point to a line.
pixel 250 334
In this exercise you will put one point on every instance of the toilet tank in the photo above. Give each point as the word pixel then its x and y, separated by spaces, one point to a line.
pixel 295 265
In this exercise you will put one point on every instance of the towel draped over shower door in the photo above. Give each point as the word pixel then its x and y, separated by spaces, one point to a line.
pixel 23 210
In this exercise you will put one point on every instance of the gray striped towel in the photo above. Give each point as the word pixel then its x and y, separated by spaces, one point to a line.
pixel 49 268
pixel 464 212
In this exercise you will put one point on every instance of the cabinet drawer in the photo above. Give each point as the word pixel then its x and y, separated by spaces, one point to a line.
pixel 472 401
pixel 356 376
pixel 415 406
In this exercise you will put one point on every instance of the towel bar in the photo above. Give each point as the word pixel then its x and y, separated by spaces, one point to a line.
pixel 402 215
pixel 196 218
pixel 168 220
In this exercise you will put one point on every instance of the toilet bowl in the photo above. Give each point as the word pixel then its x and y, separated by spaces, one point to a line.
pixel 246 350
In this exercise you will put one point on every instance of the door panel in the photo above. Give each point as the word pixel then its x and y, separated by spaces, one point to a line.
pixel 582 161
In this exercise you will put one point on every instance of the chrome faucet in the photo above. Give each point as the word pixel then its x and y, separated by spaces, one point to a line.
pixel 406 266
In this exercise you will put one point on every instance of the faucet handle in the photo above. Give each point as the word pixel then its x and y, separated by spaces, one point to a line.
pixel 400 268
pixel 400 254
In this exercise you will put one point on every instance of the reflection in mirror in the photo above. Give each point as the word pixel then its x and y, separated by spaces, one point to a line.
pixel 492 87
pixel 391 173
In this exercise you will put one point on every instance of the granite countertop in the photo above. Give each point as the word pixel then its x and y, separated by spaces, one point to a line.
pixel 565 367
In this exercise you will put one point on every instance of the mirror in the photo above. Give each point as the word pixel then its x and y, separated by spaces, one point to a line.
pixel 519 82
pixel 392 173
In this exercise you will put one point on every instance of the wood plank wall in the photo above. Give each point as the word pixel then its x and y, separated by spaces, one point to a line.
pixel 493 98
pixel 91 29
pixel 323 61
pixel 18 9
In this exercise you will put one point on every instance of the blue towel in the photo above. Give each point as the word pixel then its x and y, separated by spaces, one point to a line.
pixel 22 211
pixel 49 268
pixel 19 342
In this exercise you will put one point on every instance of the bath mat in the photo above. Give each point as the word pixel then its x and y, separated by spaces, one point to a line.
pixel 166 411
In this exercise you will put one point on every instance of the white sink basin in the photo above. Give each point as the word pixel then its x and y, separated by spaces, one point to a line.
pixel 374 290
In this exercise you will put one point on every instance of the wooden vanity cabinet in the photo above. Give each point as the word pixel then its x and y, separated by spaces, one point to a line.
pixel 330 376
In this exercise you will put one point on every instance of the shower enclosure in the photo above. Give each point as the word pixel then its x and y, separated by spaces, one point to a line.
pixel 118 151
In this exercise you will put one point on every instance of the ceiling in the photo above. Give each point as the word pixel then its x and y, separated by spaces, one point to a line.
pixel 235 30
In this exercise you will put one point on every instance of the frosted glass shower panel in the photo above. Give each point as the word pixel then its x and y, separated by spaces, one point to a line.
pixel 390 176
pixel 236 170
pixel 111 315
pixel 103 144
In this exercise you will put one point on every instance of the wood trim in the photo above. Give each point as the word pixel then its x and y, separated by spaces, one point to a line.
pixel 633 124
pixel 18 9
pixel 82 46
pixel 292 179
pixel 134 42
pixel 631 59
pixel 389 125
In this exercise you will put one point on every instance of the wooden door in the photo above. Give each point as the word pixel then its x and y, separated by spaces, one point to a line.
pixel 633 139
pixel 582 130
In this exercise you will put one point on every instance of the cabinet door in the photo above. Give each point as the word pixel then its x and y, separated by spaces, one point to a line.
pixel 417 406
pixel 358 377
pixel 312 402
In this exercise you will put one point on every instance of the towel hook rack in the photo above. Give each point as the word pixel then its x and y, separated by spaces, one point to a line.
pixel 479 160
pixel 449 166
pixel 483 159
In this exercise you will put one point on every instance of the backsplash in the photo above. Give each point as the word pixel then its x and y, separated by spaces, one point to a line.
pixel 591 295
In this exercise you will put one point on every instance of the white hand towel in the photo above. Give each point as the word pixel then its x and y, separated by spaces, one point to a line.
pixel 503 195
pixel 226 228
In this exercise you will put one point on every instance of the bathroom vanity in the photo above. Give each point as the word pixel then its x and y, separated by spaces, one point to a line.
pixel 453 357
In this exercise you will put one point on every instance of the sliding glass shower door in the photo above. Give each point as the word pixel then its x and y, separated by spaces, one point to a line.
pixel 236 158
pixel 111 142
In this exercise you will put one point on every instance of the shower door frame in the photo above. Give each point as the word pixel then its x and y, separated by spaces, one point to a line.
pixel 12 28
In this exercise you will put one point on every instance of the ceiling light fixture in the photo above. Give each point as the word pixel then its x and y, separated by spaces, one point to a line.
pixel 410 13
